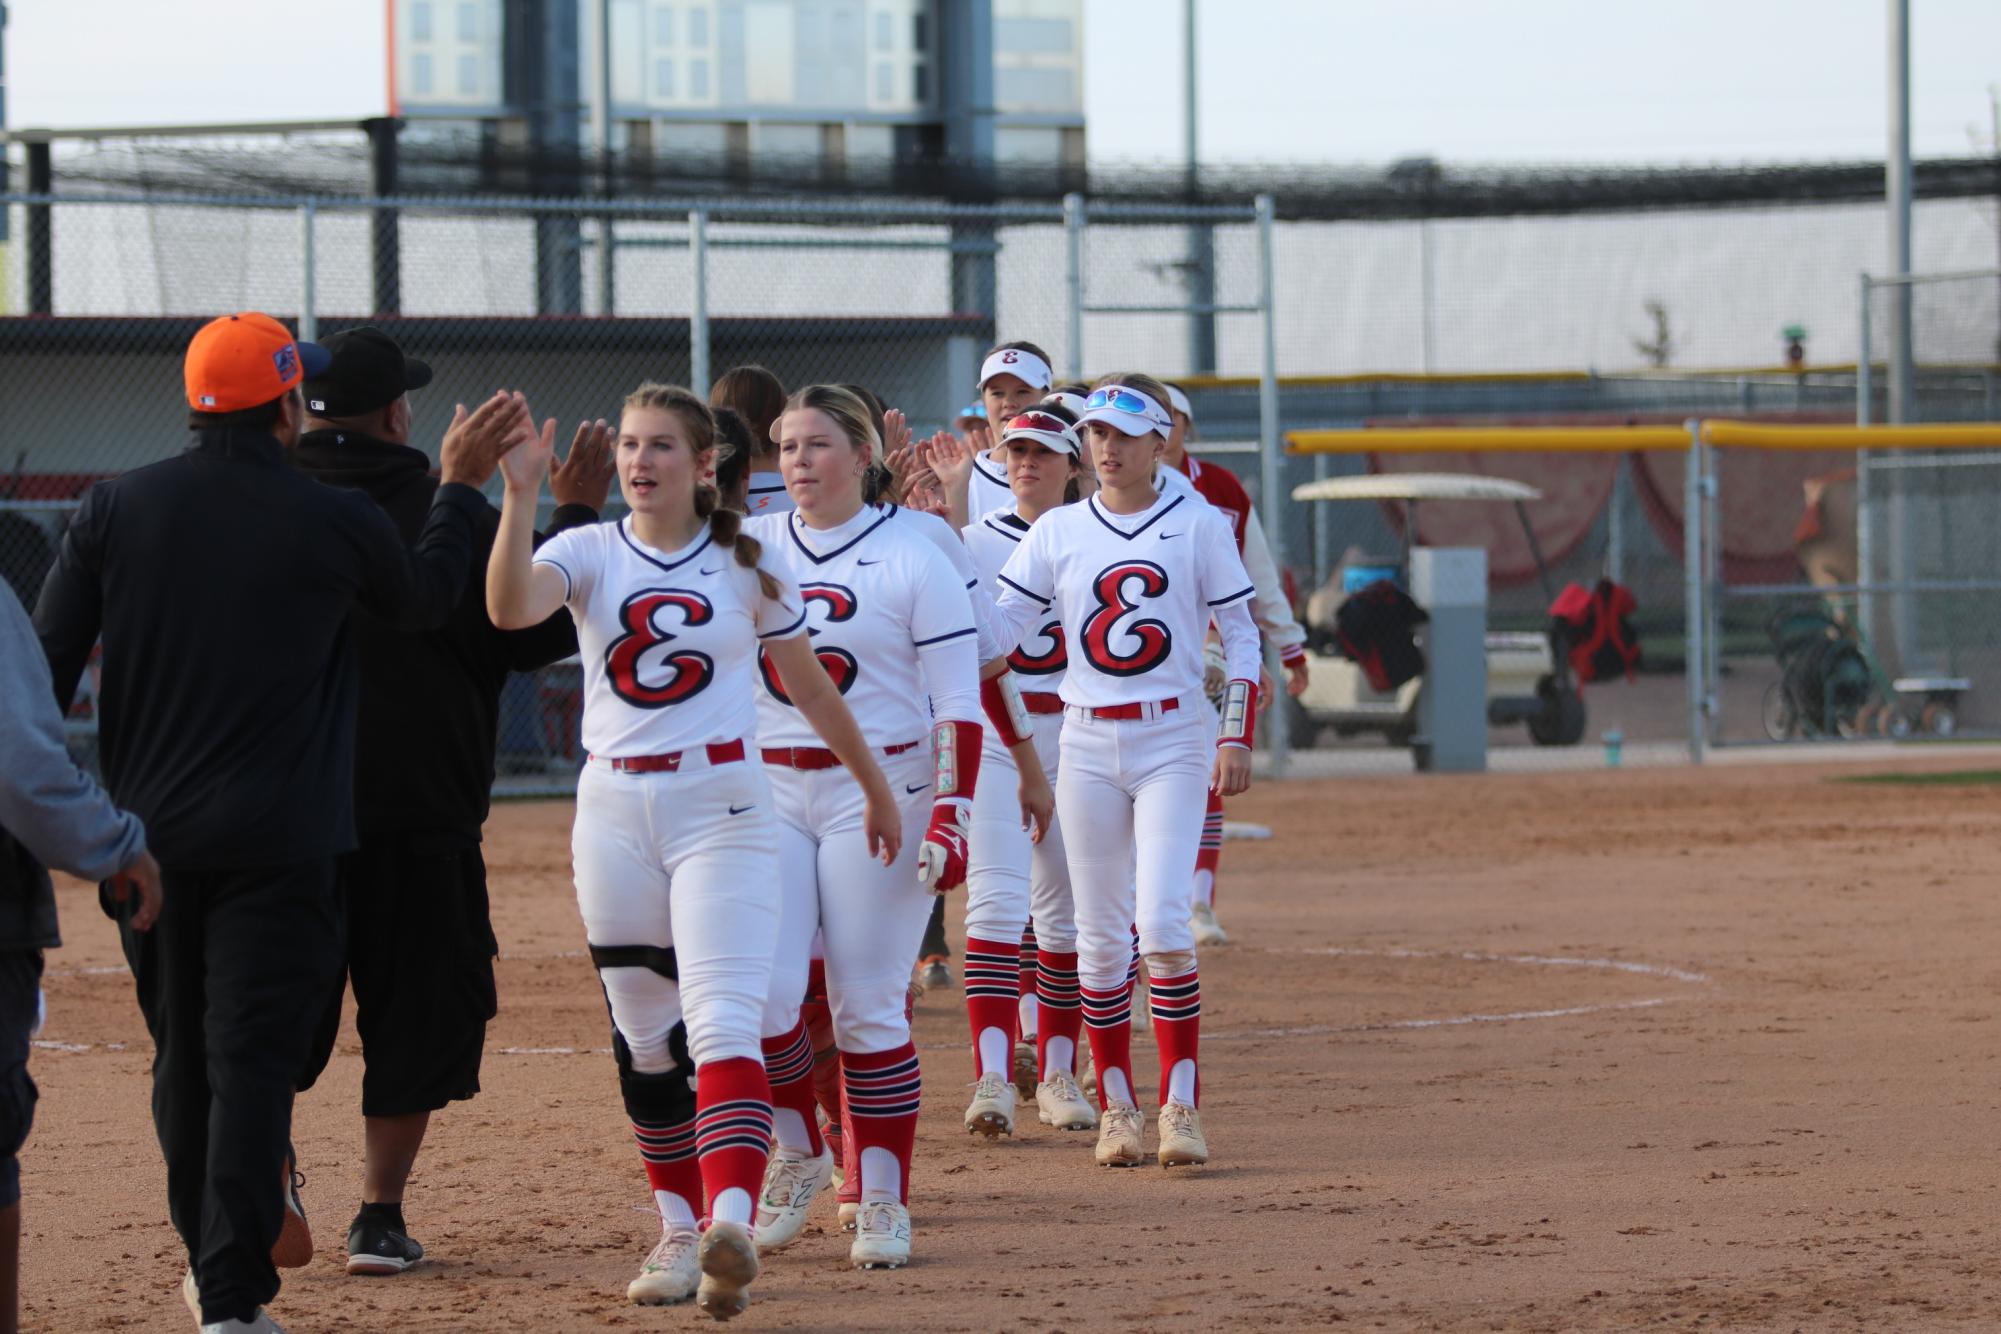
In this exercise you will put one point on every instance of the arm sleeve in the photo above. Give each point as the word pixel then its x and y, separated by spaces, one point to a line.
pixel 573 556
pixel 1026 593
pixel 1269 608
pixel 55 809
pixel 417 588
pixel 1241 647
pixel 555 638
pixel 70 612
pixel 941 628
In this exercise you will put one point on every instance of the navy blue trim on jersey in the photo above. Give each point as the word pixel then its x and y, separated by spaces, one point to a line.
pixel 807 552
pixel 780 634
pixel 765 490
pixel 1234 597
pixel 939 639
pixel 1019 589
pixel 994 525
pixel 1098 514
pixel 569 584
pixel 999 480
pixel 640 551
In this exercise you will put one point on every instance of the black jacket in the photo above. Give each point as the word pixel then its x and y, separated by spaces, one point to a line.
pixel 221 580
pixel 430 702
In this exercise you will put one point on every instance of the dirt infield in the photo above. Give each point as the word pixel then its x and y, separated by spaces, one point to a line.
pixel 1583 1051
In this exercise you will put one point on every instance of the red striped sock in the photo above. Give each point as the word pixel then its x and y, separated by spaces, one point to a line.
pixel 883 1092
pixel 1177 1027
pixel 993 991
pixel 788 1070
pixel 1058 1012
pixel 1108 1022
pixel 1211 850
pixel 819 1021
pixel 1031 964
pixel 732 1125
pixel 669 1154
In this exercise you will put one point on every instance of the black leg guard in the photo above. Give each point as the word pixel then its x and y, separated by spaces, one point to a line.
pixel 661 1097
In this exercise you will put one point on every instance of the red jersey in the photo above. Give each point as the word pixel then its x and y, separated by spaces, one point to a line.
pixel 1220 487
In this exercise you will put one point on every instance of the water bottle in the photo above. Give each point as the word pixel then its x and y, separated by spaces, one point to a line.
pixel 1613 741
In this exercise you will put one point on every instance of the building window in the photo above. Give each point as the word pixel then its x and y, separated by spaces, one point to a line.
pixel 468 75
pixel 663 26
pixel 885 32
pixel 885 81
pixel 698 27
pixel 698 80
pixel 1033 36
pixel 919 85
pixel 420 75
pixel 420 21
pixel 919 39
pixel 468 21
pixel 663 78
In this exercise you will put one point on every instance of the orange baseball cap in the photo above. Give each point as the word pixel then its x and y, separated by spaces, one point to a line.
pixel 240 361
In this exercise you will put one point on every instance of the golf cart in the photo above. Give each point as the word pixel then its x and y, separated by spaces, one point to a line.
pixel 1529 680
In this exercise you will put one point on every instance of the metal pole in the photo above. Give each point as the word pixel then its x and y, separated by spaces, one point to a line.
pixel 1323 531
pixel 1271 474
pixel 1865 410
pixel 309 320
pixel 1694 620
pixel 1201 237
pixel 1615 523
pixel 1898 195
pixel 1865 368
pixel 698 315
pixel 1073 236
pixel 1712 592
pixel 601 140
pixel 1426 359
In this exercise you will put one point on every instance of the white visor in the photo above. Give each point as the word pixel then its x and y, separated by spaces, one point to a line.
pixel 1030 369
pixel 1138 415
pixel 1179 402
pixel 1045 429
pixel 1073 402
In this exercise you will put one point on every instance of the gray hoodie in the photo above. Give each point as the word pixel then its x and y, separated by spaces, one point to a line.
pixel 48 806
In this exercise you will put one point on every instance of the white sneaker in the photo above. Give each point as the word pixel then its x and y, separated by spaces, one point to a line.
pixel 882 1236
pixel 1182 1143
pixel 846 1215
pixel 790 1187
pixel 1119 1136
pixel 728 1258
pixel 670 1273
pixel 1208 931
pixel 991 1112
pixel 1060 1103
pixel 259 1323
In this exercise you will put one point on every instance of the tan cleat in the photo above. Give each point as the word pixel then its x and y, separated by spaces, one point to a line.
pixel 670 1273
pixel 1060 1103
pixel 847 1214
pixel 1119 1131
pixel 1208 931
pixel 1181 1140
pixel 1025 1072
pixel 991 1112
pixel 728 1258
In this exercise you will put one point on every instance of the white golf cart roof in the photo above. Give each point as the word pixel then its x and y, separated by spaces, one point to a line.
pixel 1411 486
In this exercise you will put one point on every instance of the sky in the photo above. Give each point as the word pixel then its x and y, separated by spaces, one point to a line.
pixel 1340 81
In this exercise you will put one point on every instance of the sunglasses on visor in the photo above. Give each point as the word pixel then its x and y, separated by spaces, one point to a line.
pixel 1039 421
pixel 1122 399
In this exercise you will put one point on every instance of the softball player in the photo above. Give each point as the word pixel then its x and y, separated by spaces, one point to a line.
pixel 758 397
pixel 1009 881
pixel 893 626
pixel 676 878
pixel 1136 576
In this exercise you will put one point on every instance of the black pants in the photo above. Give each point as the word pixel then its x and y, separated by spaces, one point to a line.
pixel 934 932
pixel 20 989
pixel 232 979
pixel 420 952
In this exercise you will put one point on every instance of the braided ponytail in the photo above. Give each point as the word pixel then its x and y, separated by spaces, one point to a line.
pixel 725 525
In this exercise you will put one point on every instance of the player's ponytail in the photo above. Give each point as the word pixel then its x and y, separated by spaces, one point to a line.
pixel 724 524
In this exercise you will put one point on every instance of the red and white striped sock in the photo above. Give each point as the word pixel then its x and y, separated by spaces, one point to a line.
pixel 883 1092
pixel 668 1151
pixel 1031 967
pixel 788 1070
pixel 1108 1022
pixel 1177 1029
pixel 1210 852
pixel 732 1135
pixel 1059 1014
pixel 993 991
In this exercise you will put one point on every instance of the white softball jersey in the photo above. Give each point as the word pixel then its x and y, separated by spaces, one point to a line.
pixel 766 494
pixel 668 639
pixel 1039 659
pixel 1135 594
pixel 891 622
pixel 989 489
pixel 940 535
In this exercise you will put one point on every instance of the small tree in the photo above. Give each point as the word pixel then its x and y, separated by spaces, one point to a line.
pixel 1659 349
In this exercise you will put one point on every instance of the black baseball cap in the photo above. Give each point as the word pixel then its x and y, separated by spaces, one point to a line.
pixel 368 371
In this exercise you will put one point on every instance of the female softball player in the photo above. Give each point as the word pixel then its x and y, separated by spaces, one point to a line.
pixel 894 628
pixel 676 878
pixel 1136 576
pixel 758 397
pixel 1009 881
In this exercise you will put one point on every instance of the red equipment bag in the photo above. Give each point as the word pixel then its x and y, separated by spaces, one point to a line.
pixel 1594 627
pixel 1373 629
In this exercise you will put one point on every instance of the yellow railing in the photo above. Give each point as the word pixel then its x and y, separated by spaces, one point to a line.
pixel 1490 439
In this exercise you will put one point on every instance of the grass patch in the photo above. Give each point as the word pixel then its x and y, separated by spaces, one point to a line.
pixel 1946 778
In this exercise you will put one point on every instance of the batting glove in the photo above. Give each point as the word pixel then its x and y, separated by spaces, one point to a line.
pixel 955 759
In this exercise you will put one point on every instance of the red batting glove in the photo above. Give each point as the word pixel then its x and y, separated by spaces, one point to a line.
pixel 955 755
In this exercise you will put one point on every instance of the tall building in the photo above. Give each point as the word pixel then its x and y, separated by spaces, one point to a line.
pixel 761 82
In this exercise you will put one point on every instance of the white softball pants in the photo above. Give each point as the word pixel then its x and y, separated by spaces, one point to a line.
pixel 871 917
pixel 1010 878
pixel 682 861
pixel 1131 794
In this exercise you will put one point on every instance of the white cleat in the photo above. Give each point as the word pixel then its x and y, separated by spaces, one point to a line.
pixel 847 1214
pixel 1119 1132
pixel 790 1187
pixel 728 1259
pixel 991 1112
pixel 258 1323
pixel 1208 931
pixel 1181 1141
pixel 1060 1103
pixel 882 1236
pixel 671 1273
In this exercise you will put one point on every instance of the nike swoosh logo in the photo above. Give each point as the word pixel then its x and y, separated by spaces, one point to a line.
pixel 913 791
pixel 868 562
pixel 1168 537
pixel 717 570
pixel 739 810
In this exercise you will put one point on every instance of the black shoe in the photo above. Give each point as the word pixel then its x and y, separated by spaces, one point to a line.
pixel 377 1244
